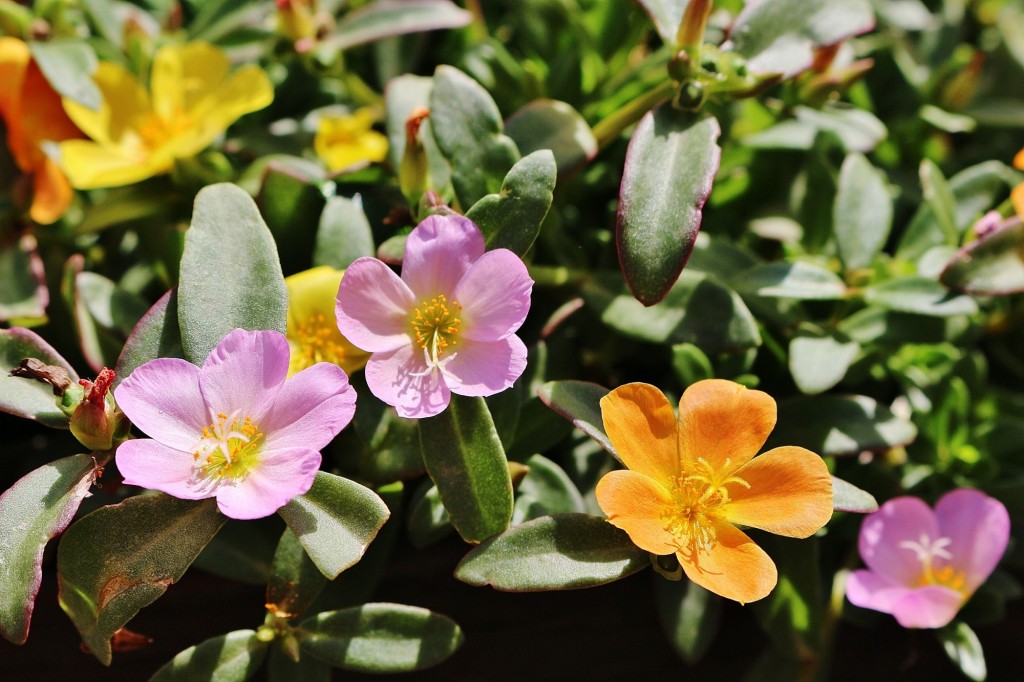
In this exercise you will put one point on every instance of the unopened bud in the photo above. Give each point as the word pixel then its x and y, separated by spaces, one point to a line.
pixel 414 172
pixel 95 419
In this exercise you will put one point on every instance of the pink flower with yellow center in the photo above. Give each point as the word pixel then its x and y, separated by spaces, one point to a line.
pixel 235 428
pixel 924 565
pixel 447 325
pixel 692 479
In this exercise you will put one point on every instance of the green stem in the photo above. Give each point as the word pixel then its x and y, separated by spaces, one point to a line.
pixel 611 127
pixel 556 275
pixel 479 24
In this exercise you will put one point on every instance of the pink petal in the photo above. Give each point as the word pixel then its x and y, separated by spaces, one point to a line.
pixel 903 519
pixel 392 377
pixel 438 253
pixel 149 464
pixel 495 296
pixel 244 373
pixel 485 367
pixel 162 398
pixel 872 591
pixel 374 306
pixel 280 476
pixel 311 409
pixel 979 529
pixel 928 607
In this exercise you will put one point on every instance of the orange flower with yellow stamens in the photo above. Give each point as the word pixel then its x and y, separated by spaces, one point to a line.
pixel 691 480
pixel 32 112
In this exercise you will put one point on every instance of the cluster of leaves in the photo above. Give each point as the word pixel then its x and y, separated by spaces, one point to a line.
pixel 816 166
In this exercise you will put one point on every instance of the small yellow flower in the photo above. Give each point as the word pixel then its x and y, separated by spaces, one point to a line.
pixel 691 480
pixel 138 134
pixel 31 111
pixel 1017 196
pixel 345 141
pixel 312 328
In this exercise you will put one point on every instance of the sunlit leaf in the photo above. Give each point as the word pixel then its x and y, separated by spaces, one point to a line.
pixel 29 398
pixel 233 657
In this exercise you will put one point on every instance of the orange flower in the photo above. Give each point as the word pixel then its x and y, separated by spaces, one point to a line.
pixel 33 114
pixel 690 481
pixel 1018 192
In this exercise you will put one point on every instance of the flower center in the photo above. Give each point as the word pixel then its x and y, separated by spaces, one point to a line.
pixel 227 452
pixel 316 340
pixel 698 499
pixel 927 551
pixel 435 327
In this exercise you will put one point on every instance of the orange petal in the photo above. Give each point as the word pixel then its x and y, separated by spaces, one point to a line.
pixel 1018 160
pixel 790 493
pixel 637 505
pixel 721 420
pixel 14 60
pixel 1017 196
pixel 52 193
pixel 642 426
pixel 735 568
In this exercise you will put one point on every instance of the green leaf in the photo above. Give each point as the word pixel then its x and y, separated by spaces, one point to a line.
pixel 919 295
pixel 991 266
pixel 24 296
pixel 580 403
pixel 839 425
pixel 106 315
pixel 511 219
pixel 863 212
pixel 335 521
pixel 104 20
pixel 230 274
pixel 343 234
pixel 792 615
pixel 554 125
pixel 217 19
pixel 233 657
pixel 242 551
pixel 464 458
pixel 670 165
pixel 155 336
pixel 280 668
pixel 32 511
pixel 545 490
pixel 849 498
pixel 380 638
pixel 389 18
pixel 468 129
pixel 964 648
pixel 698 310
pixel 818 360
pixel 797 280
pixel 780 37
pixel 666 16
pixel 402 95
pixel 121 558
pixel 389 446
pixel 858 130
pixel 290 202
pixel 428 521
pixel 29 398
pixel 68 65
pixel 939 196
pixel 563 552
pixel 295 581
pixel 690 615
pixel 691 364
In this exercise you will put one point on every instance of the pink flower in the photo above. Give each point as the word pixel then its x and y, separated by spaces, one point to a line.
pixel 233 429
pixel 446 326
pixel 923 565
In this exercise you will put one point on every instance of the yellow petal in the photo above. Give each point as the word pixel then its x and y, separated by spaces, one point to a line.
pixel 642 426
pixel 313 333
pixel 125 106
pixel 184 75
pixel 790 493
pixel 735 568
pixel 369 147
pixel 89 165
pixel 247 89
pixel 721 420
pixel 51 193
pixel 1017 196
pixel 637 505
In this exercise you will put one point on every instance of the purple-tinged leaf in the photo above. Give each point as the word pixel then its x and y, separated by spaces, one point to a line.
pixel 389 18
pixel 26 397
pixel 23 296
pixel 580 403
pixel 155 336
pixel 991 266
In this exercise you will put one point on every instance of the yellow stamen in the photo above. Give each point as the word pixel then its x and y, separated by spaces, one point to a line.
pixel 227 452
pixel 699 497
pixel 435 327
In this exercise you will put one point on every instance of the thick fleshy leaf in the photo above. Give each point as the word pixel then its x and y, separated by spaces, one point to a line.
pixel 689 614
pixel 780 36
pixel 797 280
pixel 290 201
pixel 919 295
pixel 335 521
pixel 402 95
pixel 856 129
pixel 991 266
pixel 511 218
pixel 242 551
pixel 105 315
pixel 964 648
pixel 29 398
pixel 235 656
pixel 545 490
pixel 792 615
pixel 343 235
pixel 469 132
pixel 839 425
pixel 24 296
pixel 670 165
pixel 849 498
pixel 465 459
pixel 580 403
pixel 818 360
pixel 230 273
pixel 32 511
pixel 156 335
pixel 665 15
pixel 389 18
pixel 380 638
pixel 121 558
pixel 554 125
pixel 68 65
pixel 427 520
pixel 295 581
pixel 863 212
pixel 562 552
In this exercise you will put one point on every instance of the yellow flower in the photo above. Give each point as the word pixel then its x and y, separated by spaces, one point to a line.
pixel 1017 195
pixel 138 134
pixel 312 329
pixel 31 111
pixel 691 480
pixel 344 141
